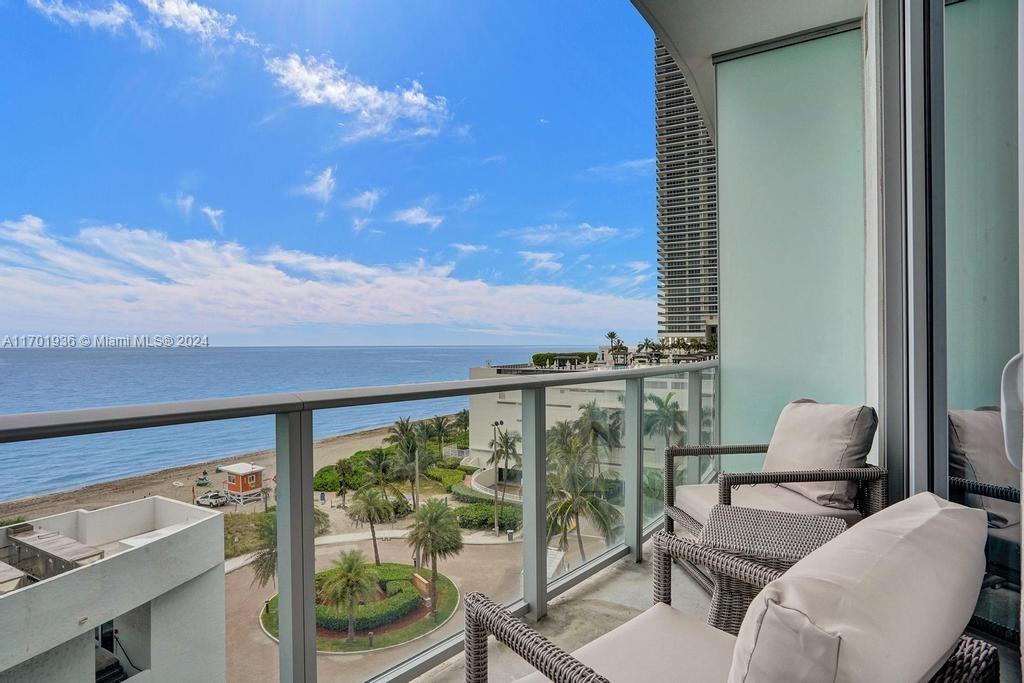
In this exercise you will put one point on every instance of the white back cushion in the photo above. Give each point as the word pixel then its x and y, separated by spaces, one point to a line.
pixel 884 601
pixel 822 436
pixel 977 451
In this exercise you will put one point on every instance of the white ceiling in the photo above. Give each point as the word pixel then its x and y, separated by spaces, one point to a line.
pixel 693 30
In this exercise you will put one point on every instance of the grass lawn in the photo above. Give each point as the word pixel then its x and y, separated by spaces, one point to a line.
pixel 428 487
pixel 447 601
pixel 241 533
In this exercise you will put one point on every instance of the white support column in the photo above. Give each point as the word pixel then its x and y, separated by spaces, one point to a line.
pixel 535 532
pixel 694 406
pixel 296 619
pixel 633 466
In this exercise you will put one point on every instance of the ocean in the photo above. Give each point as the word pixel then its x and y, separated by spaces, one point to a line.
pixel 58 379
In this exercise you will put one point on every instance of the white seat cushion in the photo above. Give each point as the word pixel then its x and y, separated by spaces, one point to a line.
pixel 698 499
pixel 821 436
pixel 662 644
pixel 884 601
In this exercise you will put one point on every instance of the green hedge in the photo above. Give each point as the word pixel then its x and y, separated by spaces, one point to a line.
pixel 402 598
pixel 326 479
pixel 468 469
pixel 481 516
pixel 465 494
pixel 543 359
pixel 461 439
pixel 449 463
pixel 447 477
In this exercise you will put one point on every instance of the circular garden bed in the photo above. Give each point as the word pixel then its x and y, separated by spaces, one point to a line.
pixel 397 614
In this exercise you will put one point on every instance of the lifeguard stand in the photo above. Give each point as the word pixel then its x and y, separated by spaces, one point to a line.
pixel 244 483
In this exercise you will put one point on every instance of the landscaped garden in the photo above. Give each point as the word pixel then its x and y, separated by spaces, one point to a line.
pixel 393 608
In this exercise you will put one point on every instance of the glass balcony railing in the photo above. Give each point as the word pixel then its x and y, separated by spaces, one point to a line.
pixel 552 478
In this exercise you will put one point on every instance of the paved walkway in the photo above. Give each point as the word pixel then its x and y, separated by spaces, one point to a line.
pixel 482 537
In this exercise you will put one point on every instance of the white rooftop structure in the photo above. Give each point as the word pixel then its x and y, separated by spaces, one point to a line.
pixel 241 468
pixel 146 569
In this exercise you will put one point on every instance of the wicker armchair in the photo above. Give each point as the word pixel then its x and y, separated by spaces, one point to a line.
pixel 872 491
pixel 972 660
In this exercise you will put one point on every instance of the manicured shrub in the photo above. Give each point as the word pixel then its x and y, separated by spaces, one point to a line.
pixel 447 477
pixel 449 463
pixel 468 469
pixel 326 479
pixel 465 494
pixel 400 507
pixel 402 598
pixel 461 439
pixel 543 359
pixel 481 516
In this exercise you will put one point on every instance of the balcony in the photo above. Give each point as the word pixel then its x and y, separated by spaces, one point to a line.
pixel 524 570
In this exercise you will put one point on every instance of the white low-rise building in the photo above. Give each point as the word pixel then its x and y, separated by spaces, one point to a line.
pixel 137 587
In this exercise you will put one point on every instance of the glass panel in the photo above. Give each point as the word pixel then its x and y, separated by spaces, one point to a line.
pixel 982 306
pixel 790 127
pixel 451 441
pixel 585 513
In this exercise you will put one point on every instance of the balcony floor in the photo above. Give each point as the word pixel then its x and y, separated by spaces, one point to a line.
pixel 605 601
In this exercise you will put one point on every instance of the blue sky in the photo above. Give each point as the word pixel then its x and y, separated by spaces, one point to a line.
pixel 388 172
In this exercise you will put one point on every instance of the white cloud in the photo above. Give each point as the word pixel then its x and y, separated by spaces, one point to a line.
pixel 146 280
pixel 205 23
pixel 375 112
pixel 470 200
pixel 623 170
pixel 465 249
pixel 579 236
pixel 322 186
pixel 359 223
pixel 215 216
pixel 113 17
pixel 365 201
pixel 638 266
pixel 184 203
pixel 418 215
pixel 542 261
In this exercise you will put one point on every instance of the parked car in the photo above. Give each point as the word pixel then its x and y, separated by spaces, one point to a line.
pixel 213 499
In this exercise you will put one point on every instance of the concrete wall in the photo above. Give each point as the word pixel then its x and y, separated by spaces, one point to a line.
pixel 792 233
pixel 70 662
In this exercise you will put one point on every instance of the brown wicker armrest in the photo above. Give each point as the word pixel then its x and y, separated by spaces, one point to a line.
pixel 673 452
pixel 980 488
pixel 668 547
pixel 484 617
pixel 973 661
pixel 875 492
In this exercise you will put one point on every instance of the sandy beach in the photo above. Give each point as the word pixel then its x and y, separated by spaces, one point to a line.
pixel 325 452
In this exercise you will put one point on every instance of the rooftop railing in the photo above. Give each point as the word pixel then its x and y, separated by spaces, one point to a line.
pixel 295 494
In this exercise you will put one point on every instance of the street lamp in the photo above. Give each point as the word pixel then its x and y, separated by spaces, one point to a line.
pixel 497 470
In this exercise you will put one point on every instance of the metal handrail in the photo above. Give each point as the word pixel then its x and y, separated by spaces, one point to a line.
pixel 59 423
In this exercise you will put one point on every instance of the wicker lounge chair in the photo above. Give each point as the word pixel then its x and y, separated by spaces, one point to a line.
pixel 981 476
pixel 815 465
pixel 663 644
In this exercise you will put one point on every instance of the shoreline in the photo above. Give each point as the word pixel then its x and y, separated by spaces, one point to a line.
pixel 162 482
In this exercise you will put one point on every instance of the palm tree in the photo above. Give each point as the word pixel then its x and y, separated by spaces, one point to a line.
pixel 435 533
pixel 666 418
pixel 575 494
pixel 265 494
pixel 381 472
pixel 407 438
pixel 462 419
pixel 264 562
pixel 441 429
pixel 612 337
pixel 653 491
pixel 350 581
pixel 559 435
pixel 345 470
pixel 497 455
pixel 511 459
pixel 369 508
